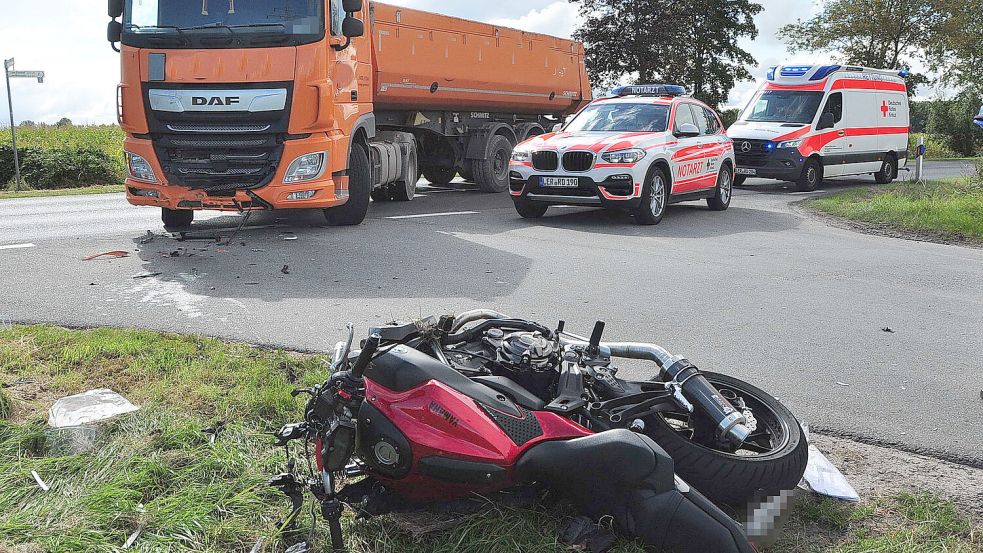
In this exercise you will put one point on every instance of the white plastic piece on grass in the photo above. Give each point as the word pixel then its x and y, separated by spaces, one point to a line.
pixel 41 483
pixel 823 478
pixel 87 408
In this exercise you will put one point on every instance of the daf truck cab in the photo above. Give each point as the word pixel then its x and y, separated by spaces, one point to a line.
pixel 809 122
pixel 246 105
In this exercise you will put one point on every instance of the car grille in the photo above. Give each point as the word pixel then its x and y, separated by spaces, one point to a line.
pixel 545 160
pixel 756 156
pixel 578 161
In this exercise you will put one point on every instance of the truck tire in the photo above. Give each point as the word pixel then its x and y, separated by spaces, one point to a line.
pixel 176 218
pixel 441 176
pixel 467 171
pixel 492 174
pixel 812 176
pixel 403 191
pixel 359 189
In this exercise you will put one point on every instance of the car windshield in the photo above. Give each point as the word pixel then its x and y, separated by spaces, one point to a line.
pixel 621 117
pixel 784 106
pixel 222 23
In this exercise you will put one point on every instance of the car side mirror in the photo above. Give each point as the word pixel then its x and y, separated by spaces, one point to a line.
pixel 352 6
pixel 114 32
pixel 826 121
pixel 558 127
pixel 115 9
pixel 688 130
pixel 352 27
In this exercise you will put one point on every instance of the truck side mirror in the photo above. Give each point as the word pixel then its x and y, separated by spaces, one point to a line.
pixel 115 9
pixel 352 27
pixel 826 121
pixel 688 130
pixel 114 32
pixel 352 6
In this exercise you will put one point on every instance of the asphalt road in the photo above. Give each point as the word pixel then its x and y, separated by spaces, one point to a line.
pixel 763 291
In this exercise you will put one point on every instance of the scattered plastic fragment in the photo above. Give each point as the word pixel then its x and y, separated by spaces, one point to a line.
pixel 888 329
pixel 146 275
pixel 285 270
pixel 258 546
pixel 133 537
pixel 288 236
pixel 214 430
pixel 844 384
pixel 41 483
pixel 148 238
pixel 823 478
pixel 89 407
pixel 113 254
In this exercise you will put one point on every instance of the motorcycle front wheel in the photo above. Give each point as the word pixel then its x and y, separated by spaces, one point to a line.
pixel 771 460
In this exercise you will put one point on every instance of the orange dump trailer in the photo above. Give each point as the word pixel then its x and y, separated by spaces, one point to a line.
pixel 278 104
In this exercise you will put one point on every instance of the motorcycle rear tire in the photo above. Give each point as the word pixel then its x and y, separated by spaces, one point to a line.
pixel 731 479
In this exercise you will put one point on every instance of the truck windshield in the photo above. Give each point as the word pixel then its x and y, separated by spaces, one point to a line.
pixel 222 23
pixel 784 106
pixel 621 118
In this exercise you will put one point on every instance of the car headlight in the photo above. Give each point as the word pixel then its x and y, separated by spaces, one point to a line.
pixel 624 156
pixel 306 168
pixel 790 144
pixel 521 155
pixel 139 168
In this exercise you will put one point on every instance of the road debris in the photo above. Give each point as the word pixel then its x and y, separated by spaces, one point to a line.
pixel 41 483
pixel 148 238
pixel 146 275
pixel 133 537
pixel 113 254
pixel 285 270
pixel 844 384
pixel 258 546
pixel 288 236
pixel 888 329
pixel 214 430
pixel 76 422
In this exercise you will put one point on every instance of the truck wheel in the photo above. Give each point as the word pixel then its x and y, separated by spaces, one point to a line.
pixel 724 191
pixel 467 171
pixel 529 210
pixel 176 218
pixel 812 176
pixel 888 172
pixel 353 212
pixel 441 176
pixel 380 194
pixel 492 174
pixel 403 191
pixel 655 200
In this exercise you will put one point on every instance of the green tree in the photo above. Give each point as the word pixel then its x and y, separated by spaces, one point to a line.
pixel 955 48
pixel 884 34
pixel 64 122
pixel 690 43
pixel 952 121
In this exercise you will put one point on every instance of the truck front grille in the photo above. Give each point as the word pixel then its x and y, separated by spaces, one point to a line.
pixel 578 162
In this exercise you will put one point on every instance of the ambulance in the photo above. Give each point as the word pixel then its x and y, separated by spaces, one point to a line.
pixel 810 122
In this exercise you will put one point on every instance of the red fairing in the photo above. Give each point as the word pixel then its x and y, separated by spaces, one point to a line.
pixel 440 421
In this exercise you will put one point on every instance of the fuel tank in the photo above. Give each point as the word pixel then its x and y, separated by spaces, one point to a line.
pixel 426 61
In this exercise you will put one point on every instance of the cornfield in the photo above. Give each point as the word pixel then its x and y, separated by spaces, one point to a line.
pixel 64 156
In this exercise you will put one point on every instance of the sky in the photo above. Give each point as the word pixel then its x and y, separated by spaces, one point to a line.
pixel 66 39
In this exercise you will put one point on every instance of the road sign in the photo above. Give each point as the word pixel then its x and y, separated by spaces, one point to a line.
pixel 39 75
pixel 8 64
pixel 8 70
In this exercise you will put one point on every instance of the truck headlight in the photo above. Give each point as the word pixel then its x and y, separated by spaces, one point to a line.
pixel 624 156
pixel 306 168
pixel 789 144
pixel 139 168
pixel 521 155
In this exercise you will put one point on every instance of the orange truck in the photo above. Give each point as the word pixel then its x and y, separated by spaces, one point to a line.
pixel 297 104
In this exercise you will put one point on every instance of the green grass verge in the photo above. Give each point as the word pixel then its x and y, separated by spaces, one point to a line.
pixel 84 191
pixel 946 209
pixel 158 471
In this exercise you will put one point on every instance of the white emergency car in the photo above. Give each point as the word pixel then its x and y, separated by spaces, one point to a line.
pixel 808 122
pixel 639 149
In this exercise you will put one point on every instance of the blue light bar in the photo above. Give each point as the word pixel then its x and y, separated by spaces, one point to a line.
pixel 796 71
pixel 904 73
pixel 771 72
pixel 825 71
pixel 649 90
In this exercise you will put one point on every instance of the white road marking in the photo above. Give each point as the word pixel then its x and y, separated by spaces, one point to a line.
pixel 17 246
pixel 425 215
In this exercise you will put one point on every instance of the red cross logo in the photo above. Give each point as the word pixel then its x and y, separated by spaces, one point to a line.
pixel 884 108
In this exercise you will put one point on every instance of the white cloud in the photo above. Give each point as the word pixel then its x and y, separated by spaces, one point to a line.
pixel 557 19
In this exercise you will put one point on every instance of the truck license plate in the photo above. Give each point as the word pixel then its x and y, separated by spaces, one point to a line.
pixel 559 182
pixel 745 171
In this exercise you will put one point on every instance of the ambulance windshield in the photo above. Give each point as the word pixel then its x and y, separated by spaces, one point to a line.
pixel 621 117
pixel 784 106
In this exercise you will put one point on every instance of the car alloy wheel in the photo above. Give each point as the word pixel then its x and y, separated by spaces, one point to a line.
pixel 656 198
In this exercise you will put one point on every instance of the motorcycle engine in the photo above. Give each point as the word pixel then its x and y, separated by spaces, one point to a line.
pixel 523 351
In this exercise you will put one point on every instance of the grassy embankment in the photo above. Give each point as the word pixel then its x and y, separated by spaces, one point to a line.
pixel 160 472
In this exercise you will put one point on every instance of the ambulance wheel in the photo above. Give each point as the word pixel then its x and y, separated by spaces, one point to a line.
pixel 724 191
pixel 176 218
pixel 655 200
pixel 739 180
pixel 888 172
pixel 529 210
pixel 359 192
pixel 492 174
pixel 812 176
pixel 441 176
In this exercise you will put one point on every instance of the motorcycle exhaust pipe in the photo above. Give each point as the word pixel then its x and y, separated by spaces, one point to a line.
pixel 731 424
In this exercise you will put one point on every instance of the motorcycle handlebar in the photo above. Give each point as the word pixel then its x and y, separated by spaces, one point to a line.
pixel 365 356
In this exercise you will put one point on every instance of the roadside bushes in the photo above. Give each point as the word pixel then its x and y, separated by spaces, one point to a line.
pixel 64 156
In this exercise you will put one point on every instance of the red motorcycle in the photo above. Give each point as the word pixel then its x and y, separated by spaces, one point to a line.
pixel 444 408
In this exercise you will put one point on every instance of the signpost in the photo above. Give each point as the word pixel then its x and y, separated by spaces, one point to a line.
pixel 8 69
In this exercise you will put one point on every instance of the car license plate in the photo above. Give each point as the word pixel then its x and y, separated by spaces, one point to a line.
pixel 559 182
pixel 744 171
